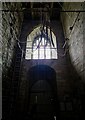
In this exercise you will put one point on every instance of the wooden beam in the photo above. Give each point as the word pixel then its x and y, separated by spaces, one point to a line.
pixel 32 9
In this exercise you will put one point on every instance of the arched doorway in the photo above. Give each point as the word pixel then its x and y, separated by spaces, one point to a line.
pixel 43 101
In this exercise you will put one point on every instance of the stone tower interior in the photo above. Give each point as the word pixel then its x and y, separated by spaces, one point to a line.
pixel 43 66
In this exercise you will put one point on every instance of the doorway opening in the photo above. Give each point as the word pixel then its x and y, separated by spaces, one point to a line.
pixel 43 101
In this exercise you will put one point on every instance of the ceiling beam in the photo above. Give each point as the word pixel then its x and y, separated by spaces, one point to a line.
pixel 51 8
pixel 31 6
pixel 39 10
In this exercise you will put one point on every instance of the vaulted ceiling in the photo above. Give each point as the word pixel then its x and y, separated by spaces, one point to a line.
pixel 33 10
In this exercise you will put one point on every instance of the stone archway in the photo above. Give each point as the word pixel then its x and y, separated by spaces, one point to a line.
pixel 43 101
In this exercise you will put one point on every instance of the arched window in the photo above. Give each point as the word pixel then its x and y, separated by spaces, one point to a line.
pixel 39 47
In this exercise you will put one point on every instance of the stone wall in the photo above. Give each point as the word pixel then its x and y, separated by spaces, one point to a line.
pixel 73 26
pixel 0 63
pixel 11 26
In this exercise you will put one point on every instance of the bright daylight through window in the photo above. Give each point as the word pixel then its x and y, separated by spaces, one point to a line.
pixel 40 49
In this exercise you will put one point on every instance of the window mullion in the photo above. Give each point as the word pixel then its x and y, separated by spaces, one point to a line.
pixel 44 49
pixel 50 52
pixel 32 53
pixel 38 50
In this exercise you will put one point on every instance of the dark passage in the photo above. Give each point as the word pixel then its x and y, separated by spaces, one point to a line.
pixel 43 104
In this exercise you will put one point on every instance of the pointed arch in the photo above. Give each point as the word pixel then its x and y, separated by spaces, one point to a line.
pixel 37 49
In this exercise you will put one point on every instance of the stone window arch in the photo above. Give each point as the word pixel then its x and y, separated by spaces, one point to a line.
pixel 39 47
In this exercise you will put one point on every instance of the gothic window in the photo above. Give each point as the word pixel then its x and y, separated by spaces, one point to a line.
pixel 39 47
